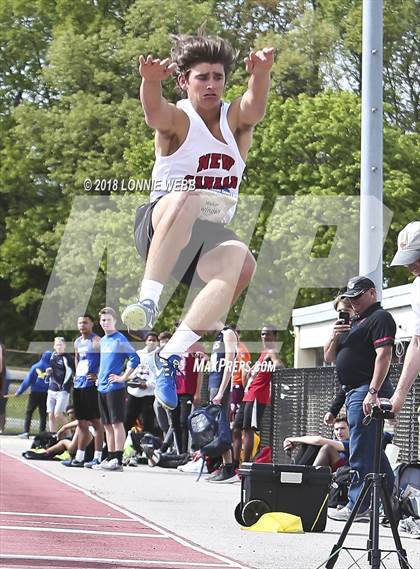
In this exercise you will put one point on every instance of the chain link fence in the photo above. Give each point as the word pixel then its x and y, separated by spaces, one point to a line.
pixel 300 399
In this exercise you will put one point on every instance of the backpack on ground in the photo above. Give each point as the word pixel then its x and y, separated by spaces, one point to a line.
pixel 338 495
pixel 171 460
pixel 140 440
pixel 44 439
pixel 210 432
pixel 406 492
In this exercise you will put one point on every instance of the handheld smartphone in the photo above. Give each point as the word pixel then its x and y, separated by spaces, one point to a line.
pixel 344 316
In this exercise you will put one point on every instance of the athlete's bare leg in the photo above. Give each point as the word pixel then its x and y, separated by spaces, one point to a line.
pixel 110 440
pixel 99 434
pixel 327 456
pixel 248 444
pixel 172 219
pixel 119 435
pixel 52 423
pixel 227 270
pixel 237 444
pixel 84 434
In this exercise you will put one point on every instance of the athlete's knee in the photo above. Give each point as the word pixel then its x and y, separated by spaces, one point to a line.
pixel 83 425
pixel 248 269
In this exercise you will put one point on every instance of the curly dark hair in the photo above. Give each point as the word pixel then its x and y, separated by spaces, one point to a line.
pixel 190 50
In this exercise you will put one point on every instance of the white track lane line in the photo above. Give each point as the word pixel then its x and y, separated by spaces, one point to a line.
pixel 112 561
pixel 68 524
pixel 180 540
pixel 79 531
pixel 32 514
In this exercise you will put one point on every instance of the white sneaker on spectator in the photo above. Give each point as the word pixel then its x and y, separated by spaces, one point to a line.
pixel 112 464
pixel 99 466
pixel 193 466
pixel 94 463
pixel 213 474
pixel 23 436
pixel 344 514
pixel 410 527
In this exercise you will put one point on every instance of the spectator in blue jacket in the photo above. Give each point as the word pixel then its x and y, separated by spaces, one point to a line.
pixel 35 380
pixel 60 374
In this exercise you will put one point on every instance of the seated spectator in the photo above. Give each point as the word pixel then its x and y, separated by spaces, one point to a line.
pixel 35 380
pixel 329 452
pixel 66 446
pixel 68 429
pixel 59 372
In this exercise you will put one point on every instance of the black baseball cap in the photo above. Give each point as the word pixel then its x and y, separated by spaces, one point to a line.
pixel 356 286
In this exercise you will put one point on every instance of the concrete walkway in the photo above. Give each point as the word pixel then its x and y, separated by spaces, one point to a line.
pixel 203 513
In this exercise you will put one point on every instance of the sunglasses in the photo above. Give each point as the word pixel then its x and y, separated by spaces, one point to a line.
pixel 359 295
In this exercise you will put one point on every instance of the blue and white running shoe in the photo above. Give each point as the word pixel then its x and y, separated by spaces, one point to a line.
pixel 165 390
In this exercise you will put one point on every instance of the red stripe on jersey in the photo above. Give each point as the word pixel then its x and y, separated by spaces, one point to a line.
pixel 385 339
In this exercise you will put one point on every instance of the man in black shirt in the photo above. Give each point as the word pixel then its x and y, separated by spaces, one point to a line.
pixel 362 351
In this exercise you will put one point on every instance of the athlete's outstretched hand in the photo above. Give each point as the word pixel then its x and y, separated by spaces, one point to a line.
pixel 260 62
pixel 155 69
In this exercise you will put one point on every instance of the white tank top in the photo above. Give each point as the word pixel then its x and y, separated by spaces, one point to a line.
pixel 204 163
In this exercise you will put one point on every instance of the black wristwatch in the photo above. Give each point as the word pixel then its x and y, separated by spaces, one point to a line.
pixel 373 391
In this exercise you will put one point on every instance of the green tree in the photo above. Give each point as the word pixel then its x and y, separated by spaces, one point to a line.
pixel 90 125
pixel 69 110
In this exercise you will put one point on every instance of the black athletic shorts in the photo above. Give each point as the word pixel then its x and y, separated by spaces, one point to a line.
pixel 244 419
pixel 205 236
pixel 112 406
pixel 85 403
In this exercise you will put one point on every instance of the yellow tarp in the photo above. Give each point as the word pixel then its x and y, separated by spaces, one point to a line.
pixel 277 522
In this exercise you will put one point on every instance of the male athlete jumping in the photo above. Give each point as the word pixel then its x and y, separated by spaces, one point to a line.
pixel 204 142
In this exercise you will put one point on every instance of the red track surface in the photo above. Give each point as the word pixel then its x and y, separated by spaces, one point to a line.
pixel 48 523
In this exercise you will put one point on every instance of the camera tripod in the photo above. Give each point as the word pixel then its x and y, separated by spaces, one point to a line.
pixel 377 481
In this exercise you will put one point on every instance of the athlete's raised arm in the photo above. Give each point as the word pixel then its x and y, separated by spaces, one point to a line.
pixel 249 109
pixel 158 112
